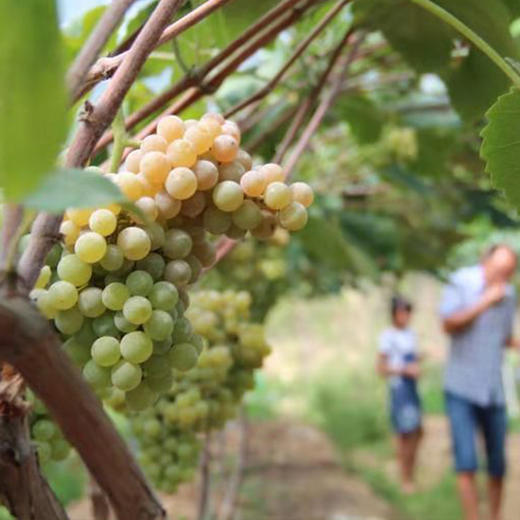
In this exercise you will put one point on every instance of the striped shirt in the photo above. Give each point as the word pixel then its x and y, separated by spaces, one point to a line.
pixel 474 367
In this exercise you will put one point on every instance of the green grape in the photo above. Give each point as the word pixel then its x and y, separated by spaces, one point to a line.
pixel 44 303
pixel 248 216
pixel 136 347
pixel 154 264
pixel 103 221
pixel 126 267
pixel 277 195
pixel 177 244
pixel 126 376
pixel 72 269
pixel 159 326
pixel 182 331
pixel 137 310
pixel 206 253
pixel 114 296
pixel 69 322
pixel 86 335
pixel 62 295
pixel 60 449
pixel 98 377
pixel 78 352
pixel 162 347
pixel 90 247
pixel 113 259
pixel 293 217
pixel 195 266
pixel 104 325
pixel 134 242
pixel 44 277
pixel 177 272
pixel 183 356
pixel 53 256
pixel 216 221
pixel 156 366
pixel 43 430
pixel 90 302
pixel 139 283
pixel 141 397
pixel 164 296
pixel 157 235
pixel 44 452
pixel 228 196
pixel 105 351
pixel 123 324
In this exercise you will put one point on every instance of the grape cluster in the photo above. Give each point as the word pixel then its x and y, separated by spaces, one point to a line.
pixel 50 443
pixel 205 397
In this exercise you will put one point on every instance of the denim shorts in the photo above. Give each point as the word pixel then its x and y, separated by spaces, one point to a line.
pixel 466 419
pixel 405 405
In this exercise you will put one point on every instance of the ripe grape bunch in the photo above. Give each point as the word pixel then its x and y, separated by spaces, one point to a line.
pixel 205 397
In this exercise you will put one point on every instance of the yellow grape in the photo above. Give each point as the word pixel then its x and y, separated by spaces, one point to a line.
pixel 44 277
pixel 149 189
pixel 70 232
pixel 253 183
pixel 154 143
pixel 90 247
pixel 148 206
pixel 244 159
pixel 277 195
pixel 155 167
pixel 134 242
pixel 129 184
pixel 181 152
pixel 170 127
pixel 206 173
pixel 79 216
pixel 212 126
pixel 133 160
pixel 167 206
pixel 103 221
pixel 225 148
pixel 232 129
pixel 293 217
pixel 215 116
pixel 228 196
pixel 199 137
pixel 181 183
pixel 273 173
pixel 302 193
pixel 189 123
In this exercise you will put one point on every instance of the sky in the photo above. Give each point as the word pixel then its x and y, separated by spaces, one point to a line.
pixel 70 9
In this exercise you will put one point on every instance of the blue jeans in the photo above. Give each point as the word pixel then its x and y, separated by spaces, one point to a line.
pixel 466 418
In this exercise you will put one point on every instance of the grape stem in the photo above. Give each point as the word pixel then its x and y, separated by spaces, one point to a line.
pixel 246 40
pixel 205 483
pixel 95 43
pixel 12 219
pixel 473 37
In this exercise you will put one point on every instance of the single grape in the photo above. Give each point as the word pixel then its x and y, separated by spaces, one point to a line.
pixel 164 296
pixel 53 256
pixel 154 143
pixel 228 196
pixel 90 247
pixel 162 347
pixel 90 302
pixel 123 324
pixel 137 310
pixel 114 296
pixel 139 283
pixel 248 216
pixel 105 351
pixel 156 366
pixel 177 244
pixel 181 153
pixel 134 242
pixel 129 185
pixel 77 352
pixel 199 137
pixel 113 259
pixel 44 277
pixel 277 195
pixel 225 148
pixel 45 304
pixel 43 430
pixel 160 384
pixel 148 207
pixel 78 216
pixel 183 356
pixel 60 449
pixel 181 183
pixel 232 171
pixel 170 127
pixel 195 266
pixel 194 206
pixel 140 398
pixel 167 206
pixel 267 227
pixel 103 221
pixel 253 183
pixel 159 326
pixel 74 270
pixel 136 347
pixel 207 174
pixel 70 232
pixel 155 167
pixel 62 295
pixel 302 193
pixel 157 235
pixel 154 264
pixel 235 233
pixel 293 217
pixel 244 159
pixel 104 325
pixel 211 126
pixel 126 376
pixel 206 252
pixel 216 221
pixel 272 173
pixel 86 335
pixel 133 160
pixel 177 272
pixel 231 128
pixel 182 331
pixel 69 321
pixel 213 116
pixel 98 377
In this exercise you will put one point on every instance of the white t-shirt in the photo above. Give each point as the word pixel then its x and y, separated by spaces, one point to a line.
pixel 398 345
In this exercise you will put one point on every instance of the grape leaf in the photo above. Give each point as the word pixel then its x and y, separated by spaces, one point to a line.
pixel 32 94
pixel 363 116
pixel 74 189
pixel 501 145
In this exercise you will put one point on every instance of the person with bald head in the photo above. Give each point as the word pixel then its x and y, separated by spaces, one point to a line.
pixel 477 311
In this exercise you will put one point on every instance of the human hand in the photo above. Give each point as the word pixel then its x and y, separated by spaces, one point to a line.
pixel 494 293
pixel 412 370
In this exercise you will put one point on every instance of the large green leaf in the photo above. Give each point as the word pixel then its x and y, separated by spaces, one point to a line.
pixel 364 118
pixel 501 145
pixel 32 94
pixel 74 189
